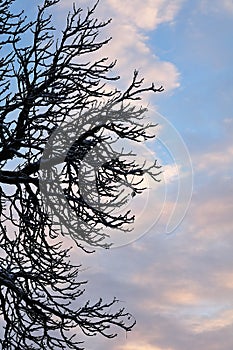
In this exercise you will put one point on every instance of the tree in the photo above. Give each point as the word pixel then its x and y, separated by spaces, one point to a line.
pixel 59 126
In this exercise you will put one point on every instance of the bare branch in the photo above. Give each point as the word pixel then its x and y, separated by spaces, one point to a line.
pixel 59 136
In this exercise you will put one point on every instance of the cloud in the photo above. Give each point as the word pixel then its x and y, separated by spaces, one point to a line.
pixel 171 173
pixel 147 14
pixel 228 4
pixel 141 346
pixel 178 287
pixel 228 122
pixel 215 161
pixel 209 324
pixel 129 44
pixel 214 213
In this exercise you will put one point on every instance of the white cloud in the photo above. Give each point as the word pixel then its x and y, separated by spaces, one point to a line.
pixel 129 45
pixel 146 14
pixel 171 173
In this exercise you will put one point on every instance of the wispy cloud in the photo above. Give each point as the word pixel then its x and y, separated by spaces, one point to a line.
pixel 141 346
pixel 214 162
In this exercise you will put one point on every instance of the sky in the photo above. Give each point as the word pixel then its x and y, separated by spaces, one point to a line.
pixel 178 284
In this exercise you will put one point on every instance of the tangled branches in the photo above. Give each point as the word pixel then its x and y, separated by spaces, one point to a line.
pixel 59 128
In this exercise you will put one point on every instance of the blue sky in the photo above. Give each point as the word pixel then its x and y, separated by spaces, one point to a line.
pixel 178 286
pixel 199 44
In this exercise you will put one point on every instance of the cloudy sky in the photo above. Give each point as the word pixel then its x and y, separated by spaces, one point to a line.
pixel 178 285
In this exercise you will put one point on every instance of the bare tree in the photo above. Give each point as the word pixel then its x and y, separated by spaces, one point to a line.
pixel 59 127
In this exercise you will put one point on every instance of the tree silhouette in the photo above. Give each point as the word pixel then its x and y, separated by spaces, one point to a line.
pixel 61 174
